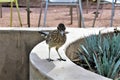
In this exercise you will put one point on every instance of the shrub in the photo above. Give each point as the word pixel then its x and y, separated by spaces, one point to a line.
pixel 101 54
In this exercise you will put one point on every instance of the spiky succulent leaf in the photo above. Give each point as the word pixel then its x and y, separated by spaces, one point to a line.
pixel 104 52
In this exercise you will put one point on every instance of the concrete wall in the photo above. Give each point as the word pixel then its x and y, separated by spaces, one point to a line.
pixel 15 46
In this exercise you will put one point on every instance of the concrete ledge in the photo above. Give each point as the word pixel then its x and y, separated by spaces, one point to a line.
pixel 60 70
pixel 16 45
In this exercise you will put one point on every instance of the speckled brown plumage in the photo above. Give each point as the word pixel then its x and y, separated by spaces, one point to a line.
pixel 56 38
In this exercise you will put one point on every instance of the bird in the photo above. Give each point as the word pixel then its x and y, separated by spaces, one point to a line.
pixel 55 38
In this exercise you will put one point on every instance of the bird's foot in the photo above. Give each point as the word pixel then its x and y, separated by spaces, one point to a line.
pixel 60 59
pixel 50 60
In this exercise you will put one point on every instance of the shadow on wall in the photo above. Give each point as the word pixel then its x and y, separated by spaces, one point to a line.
pixel 44 62
pixel 15 47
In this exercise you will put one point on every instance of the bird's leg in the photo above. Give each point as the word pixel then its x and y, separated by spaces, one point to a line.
pixel 60 59
pixel 49 59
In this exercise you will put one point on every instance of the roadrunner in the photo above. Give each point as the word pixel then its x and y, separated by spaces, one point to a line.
pixel 55 38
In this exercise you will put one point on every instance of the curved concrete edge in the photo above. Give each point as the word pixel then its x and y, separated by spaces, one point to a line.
pixel 60 70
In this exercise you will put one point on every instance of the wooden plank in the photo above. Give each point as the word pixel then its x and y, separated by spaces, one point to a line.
pixel 0 10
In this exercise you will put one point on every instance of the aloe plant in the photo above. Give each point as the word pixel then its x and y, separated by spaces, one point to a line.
pixel 101 53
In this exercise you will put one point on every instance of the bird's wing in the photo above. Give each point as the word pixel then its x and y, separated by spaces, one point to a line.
pixel 51 37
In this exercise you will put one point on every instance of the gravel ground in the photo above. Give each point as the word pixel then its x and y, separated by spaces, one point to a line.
pixel 61 14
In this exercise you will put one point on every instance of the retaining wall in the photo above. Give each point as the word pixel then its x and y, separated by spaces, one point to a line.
pixel 15 46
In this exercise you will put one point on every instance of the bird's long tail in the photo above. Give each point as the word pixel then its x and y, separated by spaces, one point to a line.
pixel 43 33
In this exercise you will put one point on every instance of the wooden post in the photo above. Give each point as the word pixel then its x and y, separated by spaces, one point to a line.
pixel 0 10
pixel 41 7
pixel 71 14
pixel 28 13
pixel 79 21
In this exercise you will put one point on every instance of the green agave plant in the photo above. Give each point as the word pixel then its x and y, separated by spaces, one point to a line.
pixel 101 54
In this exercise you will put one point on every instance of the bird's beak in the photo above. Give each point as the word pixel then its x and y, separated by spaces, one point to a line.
pixel 66 32
pixel 63 32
